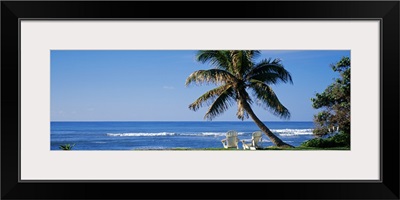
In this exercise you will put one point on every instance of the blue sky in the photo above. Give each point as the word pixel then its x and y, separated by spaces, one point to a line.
pixel 149 85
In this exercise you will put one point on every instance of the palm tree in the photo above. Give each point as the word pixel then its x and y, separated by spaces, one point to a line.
pixel 235 72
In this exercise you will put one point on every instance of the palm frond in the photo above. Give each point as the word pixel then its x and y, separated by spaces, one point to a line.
pixel 268 100
pixel 270 71
pixel 241 112
pixel 242 96
pixel 218 59
pixel 248 59
pixel 267 78
pixel 239 62
pixel 221 104
pixel 208 97
pixel 242 61
pixel 216 76
pixel 253 54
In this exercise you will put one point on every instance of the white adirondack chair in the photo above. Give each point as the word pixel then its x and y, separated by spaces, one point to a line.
pixel 256 138
pixel 231 140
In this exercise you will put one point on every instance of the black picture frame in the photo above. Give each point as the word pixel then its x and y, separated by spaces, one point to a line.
pixel 386 11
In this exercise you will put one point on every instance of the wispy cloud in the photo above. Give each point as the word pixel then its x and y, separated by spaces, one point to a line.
pixel 168 87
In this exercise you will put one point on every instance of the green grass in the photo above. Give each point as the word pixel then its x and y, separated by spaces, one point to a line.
pixel 306 148
pixel 213 149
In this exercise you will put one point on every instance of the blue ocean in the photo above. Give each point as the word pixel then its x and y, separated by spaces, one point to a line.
pixel 167 135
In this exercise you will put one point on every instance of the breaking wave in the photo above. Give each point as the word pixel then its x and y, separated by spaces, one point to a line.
pixel 292 132
pixel 163 134
pixel 280 132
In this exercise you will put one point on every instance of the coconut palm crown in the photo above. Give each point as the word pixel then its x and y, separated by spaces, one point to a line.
pixel 235 73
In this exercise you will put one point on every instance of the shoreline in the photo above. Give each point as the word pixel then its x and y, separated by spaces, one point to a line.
pixel 240 149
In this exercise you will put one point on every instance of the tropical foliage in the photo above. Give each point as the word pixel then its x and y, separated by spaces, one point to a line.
pixel 235 74
pixel 339 140
pixel 334 102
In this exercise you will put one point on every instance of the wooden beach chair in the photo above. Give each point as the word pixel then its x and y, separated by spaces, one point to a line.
pixel 256 138
pixel 231 140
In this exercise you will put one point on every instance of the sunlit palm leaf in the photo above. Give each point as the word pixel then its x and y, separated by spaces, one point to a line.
pixel 242 97
pixel 218 59
pixel 239 61
pixel 241 112
pixel 216 76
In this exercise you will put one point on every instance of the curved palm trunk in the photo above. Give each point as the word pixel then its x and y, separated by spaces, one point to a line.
pixel 274 139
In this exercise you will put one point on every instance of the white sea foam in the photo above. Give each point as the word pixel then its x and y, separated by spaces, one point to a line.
pixel 150 148
pixel 140 134
pixel 214 134
pixel 211 134
pixel 204 134
pixel 292 132
pixel 280 132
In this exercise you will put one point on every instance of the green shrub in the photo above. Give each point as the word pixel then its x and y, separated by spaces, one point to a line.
pixel 339 140
pixel 66 146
